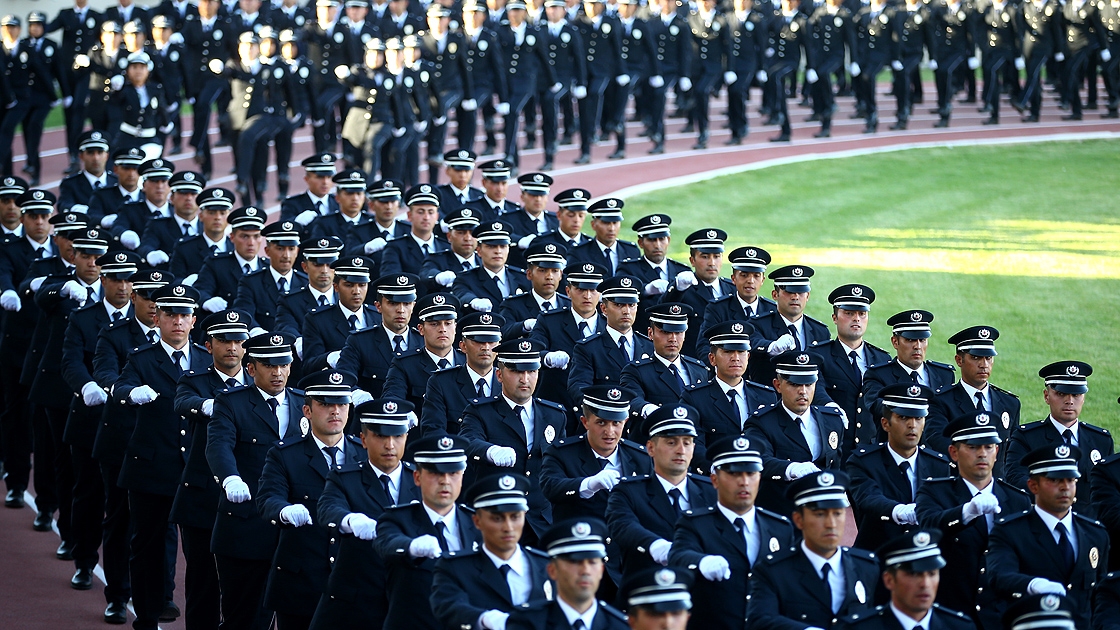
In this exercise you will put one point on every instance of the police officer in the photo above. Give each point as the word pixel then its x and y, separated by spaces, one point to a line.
pixel 530 220
pixel 495 182
pixel 606 249
pixel 442 268
pixel 161 235
pixel 748 272
pixel 79 26
pixel 408 374
pixel 350 196
pixel 450 391
pixel 190 252
pixel 369 352
pixel 132 218
pixel 383 199
pixel 292 309
pixel 601 37
pixel 638 66
pixel 325 38
pixel 545 264
pixel 258 293
pixel 523 51
pixel 105 59
pixel 300 73
pixel 670 31
pixel 412 535
pixel 873 52
pixel 458 165
pixel 953 31
pixel 408 253
pixel 317 200
pixel 1001 48
pixel 711 49
pixel 703 284
pixel 75 192
pixel 247 423
pixel 886 477
pixel 966 507
pixel 168 53
pixel 32 66
pixel 484 288
pixel 654 268
pixel 444 55
pixel 662 379
pixel 657 598
pixel 220 274
pixel 747 28
pixel 326 329
pixel 566 55
pixel 209 45
pixel 787 328
pixel 104 202
pixel 788 40
pixel 488 78
pixel 832 32
pixel 370 121
pixel 600 357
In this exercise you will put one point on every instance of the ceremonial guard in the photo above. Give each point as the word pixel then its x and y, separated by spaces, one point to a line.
pixel 369 352
pixel 450 391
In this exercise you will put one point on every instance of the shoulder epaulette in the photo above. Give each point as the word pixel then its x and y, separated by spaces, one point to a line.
pixel 951 368
pixel 548 403
pixel 773 515
pixel 588 339
pixel 1012 517
pixel 950 611
pixel 1003 391
pixel 1095 428
pixel 862 554
pixel 700 478
pixel 698 512
pixel 932 453
pixel 633 479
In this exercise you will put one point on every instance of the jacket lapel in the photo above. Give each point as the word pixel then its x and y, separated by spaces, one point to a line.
pixel 723 404
pixel 851 372
pixel 295 414
pixel 810 576
pixel 316 459
pixel 660 502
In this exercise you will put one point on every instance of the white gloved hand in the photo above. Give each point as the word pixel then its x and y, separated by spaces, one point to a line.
pixel 37 282
pixel 854 69
pixel 319 122
pixel 157 257
pixel 897 65
pixel 237 491
pixel 375 245
pixel 79 207
pixel 130 239
pixel 525 241
pixel 656 81
pixel 166 129
pixel 503 456
pixel 730 77
pixel 445 278
pixel 761 76
pixel 656 287
pixel 12 104
pixel 529 324
pixel 142 395
pixel 190 280
pixel 93 395
pixel 622 79
pixel 1042 586
pixel 1021 63
pixel 439 120
pixel 190 100
pixel 360 396
pixel 605 479
pixel 685 279
pixel 176 38
pixel 215 66
pixel 556 87
pixel 481 304
pixel 362 526
pixel 426 546
pixel 843 414
pixel 502 109
pixel 769 52
pixel 797 470
pixel 973 63
pixel 9 301
pixel 469 105
pixel 256 330
pixel 307 216
pixel 108 220
pixel 648 409
pixel 493 620
pixel 116 83
pixel 413 420
pixel 299 347
pixel 782 344
pixel 1059 57
pixel 1106 55
pixel 811 76
pixel 215 304
pixel 933 64
pixel 332 358
pixel 659 551
pixel 905 514
pixel 981 504
pixel 420 126
pixel 295 515
pixel 72 290
pixel 715 568
pixel 398 132
pixel 208 407
pixel 685 83
pixel 557 359
pixel 342 72
pixel 56 102
pixel 67 101
pixel 580 92
pixel 81 61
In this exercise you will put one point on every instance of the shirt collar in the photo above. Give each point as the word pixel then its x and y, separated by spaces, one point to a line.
pixel 436 358
pixel 254 264
pixel 276 275
pixel 281 398
pixel 93 179
pixel 748 518
pixel 394 477
pixel 571 614
pixel 1052 521
pixel 163 210
pixel 898 459
pixel 346 313
pixel 110 309
pixel 1062 428
pixel 726 388
pixel 474 376
pixel 818 562
pixel 322 445
pixel 316 200
pixel 181 222
pixel 973 490
pixel 431 242
pixel 169 350
pixel 516 562
pixel 614 334
pixel 971 391
pixel 805 417
pixel 667 362
pixel 315 293
pixel 667 485
pixel 436 517
pixel 908 622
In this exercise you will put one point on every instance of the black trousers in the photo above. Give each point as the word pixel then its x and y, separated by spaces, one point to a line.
pixel 209 95
pixel 738 93
pixel 203 610
pixel 591 112
pixel 292 622
pixel 15 426
pixel 550 120
pixel 116 531
pixel 437 134
pixel 994 73
pixel 76 114
pixel 147 563
pixel 326 108
pixel 517 104
pixel 89 507
pixel 243 582
pixel 467 121
pixel 1076 65
pixel 947 69
pixel 58 456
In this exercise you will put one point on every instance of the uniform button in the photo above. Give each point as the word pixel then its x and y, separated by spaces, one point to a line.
pixel 183 449
pixel 183 432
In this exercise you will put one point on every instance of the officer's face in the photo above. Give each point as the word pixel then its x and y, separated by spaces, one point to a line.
pixel 500 530
pixel 571 221
pixel 10 34
pixel 116 291
pixel 36 226
pixel 438 24
pixel 667 7
pixel 438 334
pixel 643 619
pixel 384 451
pixel 850 325
pixel 160 35
pixel 133 41
pixel 517 385
pixel 350 202
pixel 327 419
pixel 86 267
pixel 619 316
pixel 730 365
pixel 185 204
pixel 174 328
pixel 903 433
pixel 319 275
pixel 555 14
pixel 545 281
pixel 318 185
pixel 127 176
pixel 462 242
pixel 227 354
pixel 397 7
pixel 744 5
pixel 155 190
pixel 912 593
pixel 592 9
pixel 576 580
pixel 975 370
pixel 438 490
pixel 496 190
pixel 605 231
pixel 584 301
pixel 214 221
pixel 1053 495
pixel 493 255
pixel 35 29
pixel 533 203
pixel 911 352
pixel 795 396
pixel 281 257
pixel 790 5
pixel 94 160
pixel 356 14
pixel 790 304
pixel 351 294
pixel 627 10
pixel 1065 408
pixel 747 283
pixel 460 177
pixel 975 461
pixel 288 50
pixel 706 265
pixel 9 212
pixel 385 211
pixel 325 14
pixel 395 315
pixel 268 48
pixel 671 454
pixel 423 218
pixel 207 8
pixel 474 20
pixel 654 248
pixel 736 490
pixel 822 528
pixel 602 435
pixel 246 242
pixel 272 379
pixel 137 73
pixel 110 40
pixel 145 309
pixel 65 247
pixel 516 17
pixel 480 354
pixel 249 6
pixel 666 344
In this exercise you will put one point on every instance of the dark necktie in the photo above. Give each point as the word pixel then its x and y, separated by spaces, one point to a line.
pixel 398 343
pixel 177 357
pixel 186 229
pixel 332 454
pixel 732 395
pixel 741 527
pixel 610 263
pixel 319 207
pixel 546 307
pixel 603 462
pixel 246 268
pixel 796 340
pixel 282 285
pixel 97 185
pixel 117 316
pixel 980 400
pixel 89 294
pixel 1067 437
pixel 622 345
pixel 1065 548
pixel 441 527
pixel 466 266
pixel 914 376
pixel 853 356
pixel 748 312
pixel 273 404
pixel 677 373
pixel 231 382
pixel 584 329
pixel 323 301
pixel 825 570
pixel 579 625
pixel 353 319
pixel 384 479
pixel 426 249
pixel 904 466
pixel 443 364
pixel 480 387
pixel 675 497
pixel 153 336
pixel 213 249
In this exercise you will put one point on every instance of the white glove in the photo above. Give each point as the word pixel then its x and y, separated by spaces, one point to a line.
pixel 190 280
pixel 426 546
pixel 603 480
pixel 685 83
pixel 79 207
pixel 11 105
pixel 296 515
pixel 360 396
pixel 333 356
pixel 176 38
pixel 299 347
pixel 1059 57
pixel 157 257
pixel 398 132
pixel 1042 586
pixel 342 72
pixel 215 304
pixel 56 102
pixel 811 76
pixel 843 414
pixel 493 620
pixel 469 105
pixel 37 282
pixel 445 278
pixel 556 359
pixel 897 65
pixel 715 568
pixel 320 122
pixel 685 279
pixel 580 92
pixel 9 301
pixel 481 304
pixel 208 407
pixel 556 87
pixel 142 395
pixel 656 81
pixel 502 109
pixel 116 83
pixel 130 239
pixel 420 126
pixel 256 330
pixel 296 120
pixel 905 514
pixel 362 526
pixel 973 63
pixel 656 287
pixel 444 227
pixel 92 395
pixel 215 66
pixel 439 121
pixel 1021 63
pixel 648 409
pixel 237 491
pixel 73 290
pixel 854 69
pixel 375 245
pixel 306 217
pixel 933 64
pixel 981 504
pixel 797 470
pixel 503 456
pixel 622 79
pixel 769 52
pixel 81 61
pixel 529 324
pixel 524 241
pixel 659 551
pixel 191 100
pixel 67 101
pixel 167 128
pixel 1106 55
pixel 108 220
pixel 730 77
pixel 761 76
pixel 413 420
pixel 782 344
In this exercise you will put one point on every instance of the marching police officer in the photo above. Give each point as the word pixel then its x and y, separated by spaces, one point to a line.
pixel 451 390
pixel 190 252
pixel 259 292
pixel 408 253
pixel 488 78
pixel 787 328
pixel 162 234
pixel 599 358
pixel 602 42
pixel 657 598
pixel 79 26
pixel 788 40
pixel 75 192
pixel 654 268
pixel 1001 48
pixel 874 35
pixel 317 200
pixel 220 274
pixel 545 264
pixel 408 374
pixel 747 29
pixel 702 285
pixel 375 112
pixel 953 32
pixel 748 272
pixel 566 55
pixel 523 53
pixel 711 48
pixel 209 45
pixel 662 378
pixel 369 352
pixel 495 183
pixel 326 329
pixel 484 288
pixel 292 310
pixel 443 52
pixel 670 31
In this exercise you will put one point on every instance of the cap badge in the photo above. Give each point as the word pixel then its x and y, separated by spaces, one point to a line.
pixel 121 257
pixel 915 316
pixel 581 530
pixel 612 203
pixel 232 316
pixel 665 577
pixel 9 181
pixel 355 176
pixel 157 163
pixel 37 195
pixel 798 272
pixel 655 219
pixel 538 178
pixel 70 218
pixel 985 333
pixel 680 412
pixel 402 280
pixel 826 479
pixel 251 212
pixel 921 539
pixel 496 226
pixel 179 291
pixel 391 407
pixel 507 482
pixel 712 234
pixel 217 194
pixel 324 242
pixel 550 248
pixel 674 310
pixel 1062 451
pixel 95 135
pixel 357 262
pixel 614 394
pixel 444 444
pixel 1050 603
pixel 327 158
pixel 335 378
pixel 982 419
pixel 578 194
pixel 525 346
pixel 857 291
pixel 276 340
pixel 588 268
pixel 438 299
pixel 802 359
pixel 464 155
pixel 1073 370
pixel 157 276
pixel 188 177
pixel 287 226
pixel 626 282
pixel 92 234
pixel 425 188
pixel 736 327
pixel 485 318
pixel 741 444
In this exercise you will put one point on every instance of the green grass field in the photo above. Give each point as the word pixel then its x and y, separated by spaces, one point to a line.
pixel 1025 238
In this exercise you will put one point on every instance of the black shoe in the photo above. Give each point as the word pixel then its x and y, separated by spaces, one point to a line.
pixel 941 124
pixel 546 166
pixel 82 580
pixel 784 137
pixel 584 158
pixel 1090 105
pixel 14 499
pixel 1019 107
pixel 1064 106
pixel 1029 119
pixel 489 148
pixel 805 102
pixel 1112 113
pixel 701 142
pixel 1072 117
pixel 844 92
pixel 530 142
pixel 619 154
pixel 814 117
pixel 566 139
pixel 772 120
pixel 65 551
pixel 658 148
pixel 899 125
pixel 985 109
pixel 688 128
pixel 734 140
pixel 170 612
pixel 43 521
pixel 825 132
pixel 222 142
pixel 176 149
pixel 992 120
pixel 116 614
